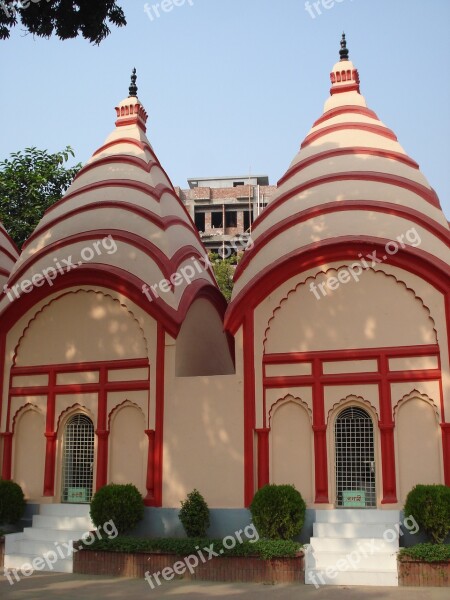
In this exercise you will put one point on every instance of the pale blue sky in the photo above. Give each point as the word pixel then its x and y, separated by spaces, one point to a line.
pixel 235 84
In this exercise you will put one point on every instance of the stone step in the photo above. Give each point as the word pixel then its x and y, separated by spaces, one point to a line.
pixel 40 547
pixel 351 561
pixel 362 578
pixel 62 522
pixel 52 535
pixel 28 561
pixel 353 530
pixel 357 515
pixel 64 510
pixel 346 545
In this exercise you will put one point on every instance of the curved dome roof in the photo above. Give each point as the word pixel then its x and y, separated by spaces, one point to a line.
pixel 124 192
pixel 350 179
pixel 8 256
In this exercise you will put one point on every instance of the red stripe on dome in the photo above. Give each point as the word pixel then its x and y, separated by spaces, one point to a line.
pixel 403 158
pixel 343 110
pixel 168 266
pixel 426 193
pixel 162 222
pixel 424 265
pixel 146 166
pixel 351 87
pixel 9 239
pixel 142 145
pixel 8 254
pixel 343 205
pixel 376 129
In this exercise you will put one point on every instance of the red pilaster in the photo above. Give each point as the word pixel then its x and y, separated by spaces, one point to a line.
pixel 50 437
pixel 320 436
pixel 150 483
pixel 7 454
pixel 159 414
pixel 446 451
pixel 102 432
pixel 386 426
pixel 249 407
pixel 263 457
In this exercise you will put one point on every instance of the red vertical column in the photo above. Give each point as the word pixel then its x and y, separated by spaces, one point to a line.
pixel 159 414
pixel 386 426
pixel 50 437
pixel 102 432
pixel 446 451
pixel 263 457
pixel 7 455
pixel 249 407
pixel 150 482
pixel 320 436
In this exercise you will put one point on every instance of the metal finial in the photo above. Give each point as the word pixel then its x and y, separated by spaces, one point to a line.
pixel 343 52
pixel 133 87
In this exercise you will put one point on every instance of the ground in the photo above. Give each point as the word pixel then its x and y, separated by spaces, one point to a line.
pixel 84 587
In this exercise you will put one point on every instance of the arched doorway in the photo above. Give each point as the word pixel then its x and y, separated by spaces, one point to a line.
pixel 355 459
pixel 78 460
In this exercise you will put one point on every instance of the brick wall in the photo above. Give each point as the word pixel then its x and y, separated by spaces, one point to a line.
pixel 419 574
pixel 286 570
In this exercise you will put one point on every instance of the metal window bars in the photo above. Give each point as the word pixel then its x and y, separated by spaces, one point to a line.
pixel 78 460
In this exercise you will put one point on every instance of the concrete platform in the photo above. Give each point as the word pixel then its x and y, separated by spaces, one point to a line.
pixel 80 587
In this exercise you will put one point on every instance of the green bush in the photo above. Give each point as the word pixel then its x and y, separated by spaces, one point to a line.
pixel 278 512
pixel 430 507
pixel 427 552
pixel 12 502
pixel 265 549
pixel 123 504
pixel 194 515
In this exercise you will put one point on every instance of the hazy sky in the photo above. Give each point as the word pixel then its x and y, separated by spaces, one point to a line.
pixel 233 85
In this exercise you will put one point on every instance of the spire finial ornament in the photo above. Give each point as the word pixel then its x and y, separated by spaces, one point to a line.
pixel 133 87
pixel 343 52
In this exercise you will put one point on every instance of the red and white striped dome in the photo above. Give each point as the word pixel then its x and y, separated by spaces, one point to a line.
pixel 350 178
pixel 8 256
pixel 123 192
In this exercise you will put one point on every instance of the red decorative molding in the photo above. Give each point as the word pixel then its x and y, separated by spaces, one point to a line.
pixel 263 457
pixel 249 406
pixel 344 110
pixel 50 435
pixel 320 435
pixel 445 427
pixel 102 432
pixel 7 454
pixel 159 416
pixel 369 127
pixel 149 500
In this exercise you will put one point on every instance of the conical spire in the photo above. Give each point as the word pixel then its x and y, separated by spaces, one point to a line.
pixel 343 52
pixel 133 87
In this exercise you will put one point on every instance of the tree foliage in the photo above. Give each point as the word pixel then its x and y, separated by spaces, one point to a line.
pixel 224 269
pixel 65 18
pixel 30 182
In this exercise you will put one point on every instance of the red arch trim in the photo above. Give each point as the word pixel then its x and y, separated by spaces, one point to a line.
pixel 346 152
pixel 122 159
pixel 132 142
pixel 426 193
pixel 343 110
pixel 376 129
pixel 331 207
pixel 414 260
pixel 167 265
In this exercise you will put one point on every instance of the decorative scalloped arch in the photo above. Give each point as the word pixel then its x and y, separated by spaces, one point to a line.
pixel 119 407
pixel 72 410
pixel 325 272
pixel 351 399
pixel 286 400
pixel 413 394
pixel 28 407
pixel 82 291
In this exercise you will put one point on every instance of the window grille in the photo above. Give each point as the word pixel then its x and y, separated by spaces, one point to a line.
pixel 355 457
pixel 78 460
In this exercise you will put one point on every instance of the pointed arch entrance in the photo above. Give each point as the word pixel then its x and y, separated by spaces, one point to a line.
pixel 355 459
pixel 78 460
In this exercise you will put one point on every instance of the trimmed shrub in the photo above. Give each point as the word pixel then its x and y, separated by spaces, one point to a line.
pixel 194 515
pixel 12 502
pixel 430 507
pixel 122 504
pixel 431 553
pixel 278 512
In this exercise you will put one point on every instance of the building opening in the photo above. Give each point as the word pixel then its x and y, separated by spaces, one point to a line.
pixel 355 459
pixel 78 460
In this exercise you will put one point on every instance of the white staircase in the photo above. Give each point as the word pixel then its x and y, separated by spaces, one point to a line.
pixel 49 539
pixel 353 547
